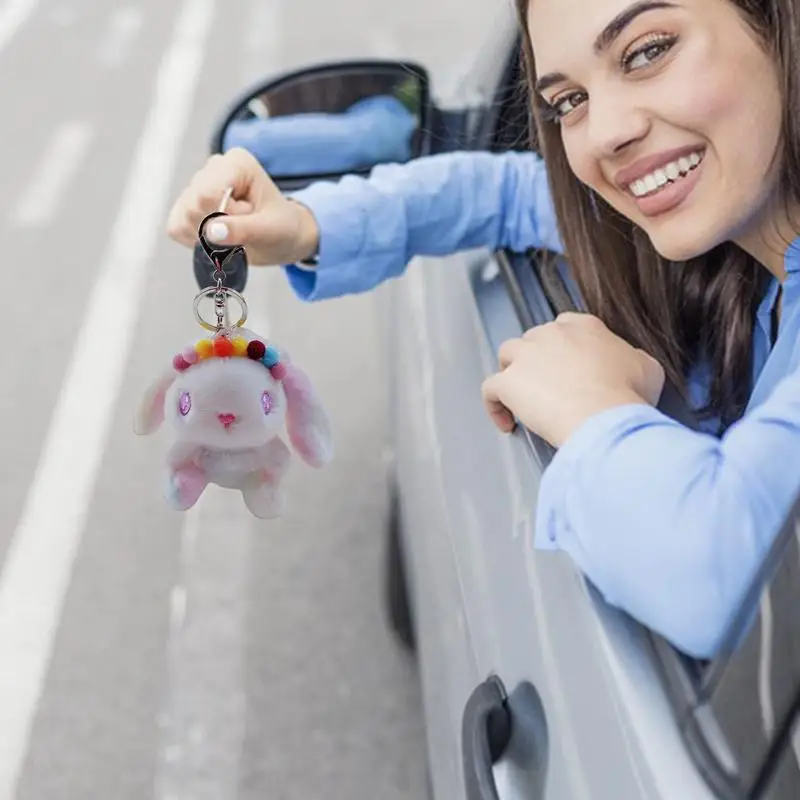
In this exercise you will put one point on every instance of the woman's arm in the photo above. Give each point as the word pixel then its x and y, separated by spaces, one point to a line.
pixel 669 524
pixel 432 206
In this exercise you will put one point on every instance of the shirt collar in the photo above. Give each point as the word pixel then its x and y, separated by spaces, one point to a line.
pixel 791 263
pixel 767 303
pixel 791 259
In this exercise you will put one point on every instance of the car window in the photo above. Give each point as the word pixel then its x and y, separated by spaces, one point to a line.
pixel 739 712
pixel 513 129
pixel 505 123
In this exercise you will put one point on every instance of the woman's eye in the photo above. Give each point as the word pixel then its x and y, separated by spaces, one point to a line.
pixel 267 402
pixel 562 106
pixel 184 403
pixel 648 54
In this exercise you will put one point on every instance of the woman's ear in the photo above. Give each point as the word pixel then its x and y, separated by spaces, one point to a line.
pixel 150 411
pixel 307 421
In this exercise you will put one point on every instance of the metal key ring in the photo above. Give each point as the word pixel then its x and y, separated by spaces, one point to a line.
pixel 212 291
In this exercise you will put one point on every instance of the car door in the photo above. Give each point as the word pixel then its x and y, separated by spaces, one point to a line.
pixel 531 682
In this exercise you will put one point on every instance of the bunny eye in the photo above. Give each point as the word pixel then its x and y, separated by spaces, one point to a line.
pixel 184 403
pixel 267 402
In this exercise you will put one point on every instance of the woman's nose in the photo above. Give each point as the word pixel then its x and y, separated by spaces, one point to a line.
pixel 615 124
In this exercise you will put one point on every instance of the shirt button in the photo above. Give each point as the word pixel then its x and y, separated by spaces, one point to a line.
pixel 552 526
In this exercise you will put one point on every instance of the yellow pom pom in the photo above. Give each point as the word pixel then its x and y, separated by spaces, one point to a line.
pixel 205 348
pixel 240 346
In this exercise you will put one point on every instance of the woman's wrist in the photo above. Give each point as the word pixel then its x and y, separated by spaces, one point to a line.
pixel 308 236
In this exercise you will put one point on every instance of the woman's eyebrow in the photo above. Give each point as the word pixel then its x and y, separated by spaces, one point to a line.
pixel 608 35
pixel 617 25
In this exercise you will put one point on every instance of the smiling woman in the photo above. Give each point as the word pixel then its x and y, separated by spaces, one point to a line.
pixel 671 138
pixel 670 113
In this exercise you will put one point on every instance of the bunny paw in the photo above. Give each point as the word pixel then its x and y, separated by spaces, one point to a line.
pixel 184 487
pixel 265 501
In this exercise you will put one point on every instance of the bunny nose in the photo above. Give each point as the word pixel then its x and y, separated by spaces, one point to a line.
pixel 226 419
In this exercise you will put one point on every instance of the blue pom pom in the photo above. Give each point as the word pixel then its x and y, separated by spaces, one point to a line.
pixel 271 357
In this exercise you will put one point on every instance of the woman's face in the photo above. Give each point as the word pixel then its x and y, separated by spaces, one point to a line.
pixel 671 111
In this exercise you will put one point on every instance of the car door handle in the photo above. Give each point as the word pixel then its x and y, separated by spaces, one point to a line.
pixel 485 734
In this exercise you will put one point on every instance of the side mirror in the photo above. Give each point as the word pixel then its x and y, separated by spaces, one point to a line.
pixel 331 120
pixel 325 122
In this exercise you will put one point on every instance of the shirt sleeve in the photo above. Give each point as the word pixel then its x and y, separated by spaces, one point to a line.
pixel 670 524
pixel 431 206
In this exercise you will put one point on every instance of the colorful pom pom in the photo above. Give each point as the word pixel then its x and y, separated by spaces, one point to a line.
pixel 256 350
pixel 271 357
pixel 204 348
pixel 223 347
pixel 278 371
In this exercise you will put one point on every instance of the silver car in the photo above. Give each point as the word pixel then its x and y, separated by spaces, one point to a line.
pixel 532 686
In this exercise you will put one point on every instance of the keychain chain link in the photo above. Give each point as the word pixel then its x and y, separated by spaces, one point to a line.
pixel 221 296
pixel 218 292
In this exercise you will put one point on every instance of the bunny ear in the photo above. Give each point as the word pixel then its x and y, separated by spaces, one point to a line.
pixel 307 422
pixel 150 411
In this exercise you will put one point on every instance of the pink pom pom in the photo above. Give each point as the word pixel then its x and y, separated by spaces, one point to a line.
pixel 278 371
pixel 190 355
pixel 180 363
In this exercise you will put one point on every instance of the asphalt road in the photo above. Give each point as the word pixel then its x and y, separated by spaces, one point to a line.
pixel 144 653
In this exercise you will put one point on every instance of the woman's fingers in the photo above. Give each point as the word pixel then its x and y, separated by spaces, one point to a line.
pixel 509 351
pixel 492 394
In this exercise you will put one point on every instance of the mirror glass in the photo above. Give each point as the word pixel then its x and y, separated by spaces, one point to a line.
pixel 331 122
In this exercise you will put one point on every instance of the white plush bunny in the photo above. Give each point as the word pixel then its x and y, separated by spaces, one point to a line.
pixel 227 399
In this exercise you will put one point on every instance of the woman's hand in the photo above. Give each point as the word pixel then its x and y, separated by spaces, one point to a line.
pixel 273 229
pixel 560 374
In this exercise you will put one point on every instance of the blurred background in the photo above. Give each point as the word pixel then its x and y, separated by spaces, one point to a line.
pixel 145 653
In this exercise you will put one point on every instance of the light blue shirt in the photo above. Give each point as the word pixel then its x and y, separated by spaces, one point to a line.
pixel 670 524
pixel 375 130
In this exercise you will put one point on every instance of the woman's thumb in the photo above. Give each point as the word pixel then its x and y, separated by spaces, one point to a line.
pixel 241 229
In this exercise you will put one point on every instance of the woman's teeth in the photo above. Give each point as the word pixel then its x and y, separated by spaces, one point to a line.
pixel 670 173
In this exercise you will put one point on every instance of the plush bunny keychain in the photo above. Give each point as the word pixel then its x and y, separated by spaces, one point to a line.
pixel 227 398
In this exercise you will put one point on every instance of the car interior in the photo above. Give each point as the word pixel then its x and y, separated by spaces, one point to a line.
pixel 737 713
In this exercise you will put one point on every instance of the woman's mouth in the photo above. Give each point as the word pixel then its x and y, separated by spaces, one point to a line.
pixel 667 187
pixel 669 173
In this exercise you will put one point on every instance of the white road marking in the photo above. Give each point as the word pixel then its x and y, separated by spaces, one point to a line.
pixel 60 163
pixel 37 569
pixel 13 15
pixel 123 28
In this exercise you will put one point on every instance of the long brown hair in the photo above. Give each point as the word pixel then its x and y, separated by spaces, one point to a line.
pixel 679 312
